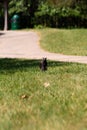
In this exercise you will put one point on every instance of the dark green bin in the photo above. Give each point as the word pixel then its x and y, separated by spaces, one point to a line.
pixel 15 22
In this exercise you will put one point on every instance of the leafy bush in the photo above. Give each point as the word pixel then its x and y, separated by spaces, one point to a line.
pixel 59 17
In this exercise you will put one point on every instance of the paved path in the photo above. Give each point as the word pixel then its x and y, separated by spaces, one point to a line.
pixel 24 44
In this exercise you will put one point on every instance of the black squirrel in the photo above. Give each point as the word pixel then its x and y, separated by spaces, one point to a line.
pixel 43 64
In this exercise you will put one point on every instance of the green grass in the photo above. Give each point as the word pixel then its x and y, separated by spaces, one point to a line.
pixel 64 41
pixel 59 105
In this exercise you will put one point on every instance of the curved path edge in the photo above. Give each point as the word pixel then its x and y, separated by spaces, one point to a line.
pixel 24 44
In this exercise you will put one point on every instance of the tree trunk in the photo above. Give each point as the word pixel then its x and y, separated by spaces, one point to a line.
pixel 5 14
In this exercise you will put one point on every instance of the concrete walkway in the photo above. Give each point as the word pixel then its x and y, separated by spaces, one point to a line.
pixel 25 44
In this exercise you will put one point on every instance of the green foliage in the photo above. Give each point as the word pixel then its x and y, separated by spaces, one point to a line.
pixel 43 9
pixel 57 13
pixel 59 16
pixel 66 11
pixel 17 6
pixel 50 12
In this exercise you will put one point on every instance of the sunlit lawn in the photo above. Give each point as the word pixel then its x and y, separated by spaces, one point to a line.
pixel 64 41
pixel 34 100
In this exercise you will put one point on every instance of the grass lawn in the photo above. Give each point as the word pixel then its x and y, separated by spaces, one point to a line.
pixel 34 100
pixel 64 41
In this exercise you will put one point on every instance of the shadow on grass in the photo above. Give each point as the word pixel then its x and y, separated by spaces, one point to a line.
pixel 13 65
